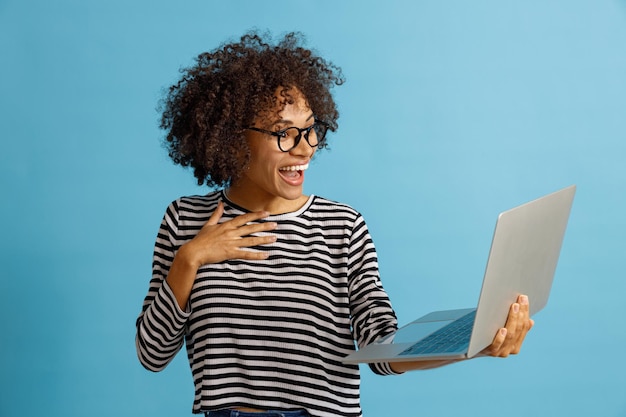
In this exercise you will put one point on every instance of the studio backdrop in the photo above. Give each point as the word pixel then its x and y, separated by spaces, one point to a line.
pixel 452 112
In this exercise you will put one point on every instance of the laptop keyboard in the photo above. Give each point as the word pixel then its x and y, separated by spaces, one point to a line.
pixel 451 338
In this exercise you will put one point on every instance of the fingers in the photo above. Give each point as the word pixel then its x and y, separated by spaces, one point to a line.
pixel 217 214
pixel 514 328
pixel 244 219
pixel 523 323
pixel 509 339
pixel 241 248
pixel 232 239
pixel 248 242
pixel 498 342
pixel 242 225
pixel 237 221
pixel 242 251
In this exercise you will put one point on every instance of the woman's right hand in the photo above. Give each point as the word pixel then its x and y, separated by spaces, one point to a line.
pixel 217 242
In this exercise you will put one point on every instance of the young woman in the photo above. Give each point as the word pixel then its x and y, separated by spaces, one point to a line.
pixel 268 288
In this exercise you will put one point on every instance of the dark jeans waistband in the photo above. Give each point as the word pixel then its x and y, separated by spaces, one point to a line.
pixel 269 413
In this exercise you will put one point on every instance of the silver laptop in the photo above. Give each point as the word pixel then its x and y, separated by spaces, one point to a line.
pixel 523 257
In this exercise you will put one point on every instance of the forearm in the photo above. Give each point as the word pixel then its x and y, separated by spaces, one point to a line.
pixel 181 276
pixel 160 330
pixel 400 367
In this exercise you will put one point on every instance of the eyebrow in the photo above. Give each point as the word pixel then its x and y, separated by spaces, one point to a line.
pixel 283 121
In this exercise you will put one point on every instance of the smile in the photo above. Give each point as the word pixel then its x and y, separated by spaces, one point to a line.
pixel 295 168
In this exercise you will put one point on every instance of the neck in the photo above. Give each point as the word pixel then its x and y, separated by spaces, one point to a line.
pixel 255 202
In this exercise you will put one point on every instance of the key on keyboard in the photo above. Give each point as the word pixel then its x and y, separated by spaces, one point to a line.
pixel 450 338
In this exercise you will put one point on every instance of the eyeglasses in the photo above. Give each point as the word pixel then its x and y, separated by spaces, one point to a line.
pixel 290 137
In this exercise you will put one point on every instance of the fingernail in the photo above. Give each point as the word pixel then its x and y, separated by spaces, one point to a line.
pixel 524 299
pixel 515 308
pixel 503 331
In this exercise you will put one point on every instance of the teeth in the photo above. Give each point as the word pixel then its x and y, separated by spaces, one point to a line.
pixel 295 168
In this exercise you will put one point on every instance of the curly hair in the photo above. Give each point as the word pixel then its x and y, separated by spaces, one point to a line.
pixel 205 113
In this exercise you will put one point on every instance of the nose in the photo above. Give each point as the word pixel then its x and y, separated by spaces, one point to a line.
pixel 303 149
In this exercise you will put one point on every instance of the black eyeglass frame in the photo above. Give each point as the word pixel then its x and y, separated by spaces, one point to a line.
pixel 321 140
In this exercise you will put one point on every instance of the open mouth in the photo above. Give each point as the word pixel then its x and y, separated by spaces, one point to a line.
pixel 293 173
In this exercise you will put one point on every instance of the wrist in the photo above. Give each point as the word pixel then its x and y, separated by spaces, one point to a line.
pixel 185 258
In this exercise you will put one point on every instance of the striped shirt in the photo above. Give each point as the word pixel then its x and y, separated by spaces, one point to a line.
pixel 270 334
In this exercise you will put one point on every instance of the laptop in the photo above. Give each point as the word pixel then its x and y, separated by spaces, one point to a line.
pixel 522 260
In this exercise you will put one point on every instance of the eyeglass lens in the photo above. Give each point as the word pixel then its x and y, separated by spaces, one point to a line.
pixel 292 136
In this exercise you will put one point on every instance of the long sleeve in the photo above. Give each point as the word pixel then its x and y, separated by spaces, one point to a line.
pixel 372 314
pixel 161 325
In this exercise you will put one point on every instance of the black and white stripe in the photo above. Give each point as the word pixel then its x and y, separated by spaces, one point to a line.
pixel 270 334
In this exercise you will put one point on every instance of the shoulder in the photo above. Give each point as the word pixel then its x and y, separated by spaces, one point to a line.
pixel 324 207
pixel 195 205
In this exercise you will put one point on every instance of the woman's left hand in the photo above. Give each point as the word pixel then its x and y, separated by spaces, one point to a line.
pixel 509 339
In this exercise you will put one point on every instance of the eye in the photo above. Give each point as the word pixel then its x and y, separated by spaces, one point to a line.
pixel 281 133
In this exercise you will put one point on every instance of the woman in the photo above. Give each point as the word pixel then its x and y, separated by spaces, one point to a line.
pixel 268 288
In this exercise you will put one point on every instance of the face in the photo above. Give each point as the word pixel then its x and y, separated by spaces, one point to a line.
pixel 273 180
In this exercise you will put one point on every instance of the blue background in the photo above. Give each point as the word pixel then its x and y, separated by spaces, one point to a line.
pixel 452 112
